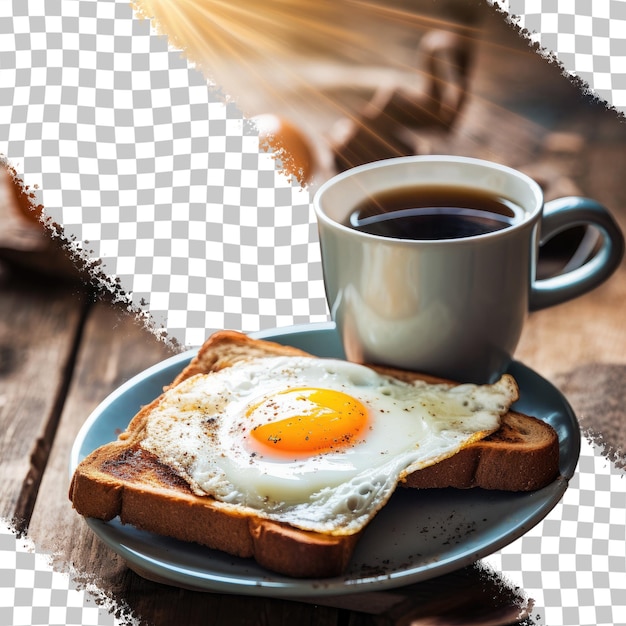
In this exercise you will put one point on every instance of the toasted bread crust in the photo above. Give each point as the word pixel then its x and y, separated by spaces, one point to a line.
pixel 523 455
pixel 126 481
pixel 122 479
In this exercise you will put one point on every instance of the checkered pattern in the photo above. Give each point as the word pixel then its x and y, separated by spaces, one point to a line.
pixel 150 171
pixel 588 37
pixel 153 174
pixel 573 564
pixel 31 592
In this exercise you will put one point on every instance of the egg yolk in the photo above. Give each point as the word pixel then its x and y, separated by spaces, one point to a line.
pixel 306 420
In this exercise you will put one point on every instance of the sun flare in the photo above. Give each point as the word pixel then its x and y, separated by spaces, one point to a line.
pixel 328 65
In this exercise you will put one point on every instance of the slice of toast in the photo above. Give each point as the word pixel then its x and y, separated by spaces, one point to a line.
pixel 122 479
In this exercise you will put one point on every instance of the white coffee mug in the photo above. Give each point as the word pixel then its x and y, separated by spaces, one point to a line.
pixel 451 307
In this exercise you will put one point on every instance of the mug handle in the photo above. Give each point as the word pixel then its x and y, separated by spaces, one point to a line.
pixel 562 214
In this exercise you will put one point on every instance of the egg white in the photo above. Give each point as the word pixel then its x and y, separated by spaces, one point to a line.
pixel 201 430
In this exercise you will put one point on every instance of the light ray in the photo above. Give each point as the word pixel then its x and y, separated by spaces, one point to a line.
pixel 265 52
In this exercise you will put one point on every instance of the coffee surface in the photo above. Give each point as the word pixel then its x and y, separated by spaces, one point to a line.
pixel 433 212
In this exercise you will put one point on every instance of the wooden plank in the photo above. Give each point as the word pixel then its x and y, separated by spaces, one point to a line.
pixel 39 325
pixel 114 348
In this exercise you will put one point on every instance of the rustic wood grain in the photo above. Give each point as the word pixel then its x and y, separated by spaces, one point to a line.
pixel 114 348
pixel 39 328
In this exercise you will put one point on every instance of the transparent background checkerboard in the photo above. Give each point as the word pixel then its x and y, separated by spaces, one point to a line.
pixel 148 170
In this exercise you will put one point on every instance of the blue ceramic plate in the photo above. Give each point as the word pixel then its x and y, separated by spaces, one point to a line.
pixel 417 536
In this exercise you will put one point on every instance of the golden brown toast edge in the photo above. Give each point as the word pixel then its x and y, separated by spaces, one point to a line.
pixel 522 455
pixel 121 479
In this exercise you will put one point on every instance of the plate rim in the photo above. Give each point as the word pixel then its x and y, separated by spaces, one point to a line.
pixel 291 587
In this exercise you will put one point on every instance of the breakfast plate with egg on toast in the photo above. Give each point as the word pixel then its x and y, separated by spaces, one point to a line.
pixel 266 464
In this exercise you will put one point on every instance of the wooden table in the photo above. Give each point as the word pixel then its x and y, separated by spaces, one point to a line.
pixel 60 355
pixel 63 350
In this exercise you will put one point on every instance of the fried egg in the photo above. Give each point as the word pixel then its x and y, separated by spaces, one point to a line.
pixel 317 443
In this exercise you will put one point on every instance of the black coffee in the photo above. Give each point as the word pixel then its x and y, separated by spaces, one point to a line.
pixel 433 212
